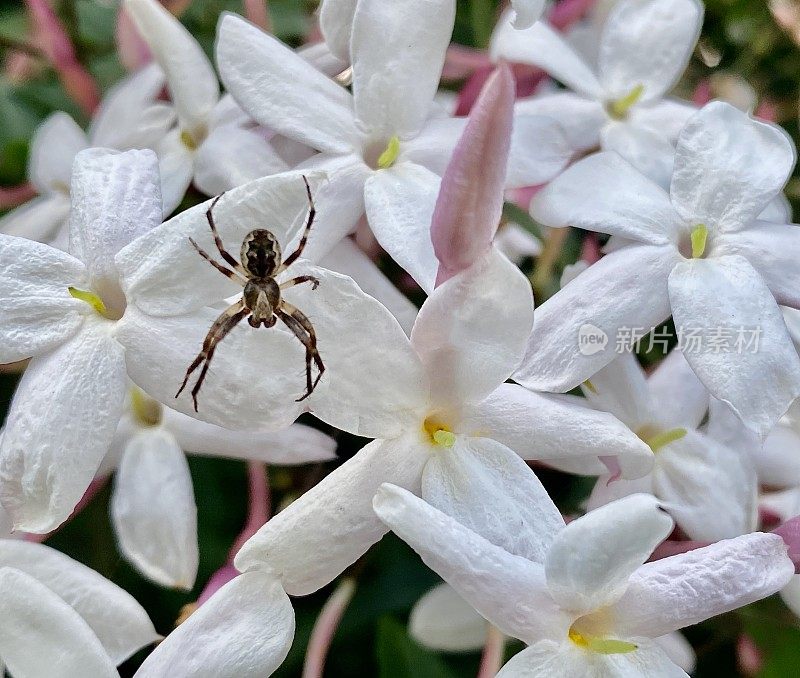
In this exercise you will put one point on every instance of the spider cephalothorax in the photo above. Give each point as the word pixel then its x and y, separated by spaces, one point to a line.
pixel 261 302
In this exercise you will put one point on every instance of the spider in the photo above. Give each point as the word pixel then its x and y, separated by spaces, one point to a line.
pixel 261 301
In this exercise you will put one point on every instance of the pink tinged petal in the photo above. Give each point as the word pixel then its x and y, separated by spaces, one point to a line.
pixel 132 49
pixel 709 489
pixel 613 466
pixel 55 42
pixel 527 12
pixel 567 12
pixel 728 167
pixel 37 312
pixel 470 201
pixel 244 630
pixel 313 540
pixel 153 509
pixel 541 46
pixel 118 621
pixel 164 275
pixel 221 577
pixel 281 90
pixel 190 76
pixel 11 196
pixel 790 533
pixel 607 194
pixel 400 204
pixel 471 332
pixel 257 13
pixel 546 427
pixel 773 250
pixel 506 589
pixel 726 292
pixel 592 558
pixel 115 199
pixel 675 592
pixel 680 397
pixel 458 481
pixel 626 289
pixel 297 444
pixel 442 620
pixel 43 636
pixel 336 24
pixel 397 51
pixel 647 44
pixel 54 145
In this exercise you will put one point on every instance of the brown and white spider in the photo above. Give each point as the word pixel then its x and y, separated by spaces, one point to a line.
pixel 261 301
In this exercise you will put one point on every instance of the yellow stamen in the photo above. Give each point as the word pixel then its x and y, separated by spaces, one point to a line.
pixel 601 645
pixel 659 440
pixel 588 384
pixel 699 236
pixel 147 411
pixel 389 155
pixel 619 108
pixel 438 433
pixel 90 298
pixel 188 140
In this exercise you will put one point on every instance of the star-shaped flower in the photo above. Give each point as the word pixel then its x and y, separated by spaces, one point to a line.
pixel 698 253
pixel 581 596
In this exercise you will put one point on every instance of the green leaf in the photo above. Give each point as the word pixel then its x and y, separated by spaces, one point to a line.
pixel 517 215
pixel 401 657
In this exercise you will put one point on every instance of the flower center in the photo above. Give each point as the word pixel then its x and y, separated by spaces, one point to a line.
pixel 148 412
pixel 106 298
pixel 382 154
pixel 619 108
pixel 188 140
pixel 657 439
pixel 599 644
pixel 438 434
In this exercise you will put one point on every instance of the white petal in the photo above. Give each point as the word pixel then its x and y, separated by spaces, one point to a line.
pixel 190 76
pixel 727 293
pixel 607 194
pixel 621 389
pixel 649 151
pixel 778 462
pixel 39 219
pixel 522 519
pixel 540 45
pixel 115 198
pixel 779 210
pixel 41 635
pixel 667 116
pixel 434 144
pixel 773 250
pixel 581 118
pixel 281 90
pixel 647 44
pixel 680 397
pixel 397 51
pixel 164 275
pixel 540 149
pixel 592 558
pixel 679 650
pixel 528 12
pixel 37 312
pixel 153 509
pixel 605 490
pixel 709 489
pixel 506 589
pixel 471 332
pixel 244 630
pixel 347 258
pixel 443 620
pixel 297 444
pixel 60 426
pixel 309 543
pixel 232 156
pixel 790 594
pixel 54 145
pixel 728 167
pixel 675 592
pixel 118 621
pixel 622 295
pixel 400 203
pixel 176 167
pixel 542 426
pixel 253 381
pixel 336 24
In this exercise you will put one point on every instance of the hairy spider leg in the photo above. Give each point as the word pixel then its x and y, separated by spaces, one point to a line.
pixel 294 256
pixel 227 256
pixel 219 330
pixel 222 269
pixel 299 280
pixel 302 328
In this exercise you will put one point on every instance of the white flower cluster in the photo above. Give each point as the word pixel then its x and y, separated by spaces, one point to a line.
pixel 305 148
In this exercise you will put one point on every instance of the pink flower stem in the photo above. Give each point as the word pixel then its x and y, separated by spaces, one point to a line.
pixel 260 504
pixel 11 196
pixel 493 651
pixel 258 13
pixel 325 628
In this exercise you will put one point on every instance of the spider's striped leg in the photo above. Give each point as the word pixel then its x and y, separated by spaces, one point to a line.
pixel 302 328
pixel 299 280
pixel 222 269
pixel 312 211
pixel 227 256
pixel 222 325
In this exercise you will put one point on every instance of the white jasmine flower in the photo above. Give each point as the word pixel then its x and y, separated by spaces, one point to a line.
pixel 698 253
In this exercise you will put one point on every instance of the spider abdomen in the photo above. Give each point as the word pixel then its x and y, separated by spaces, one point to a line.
pixel 261 253
pixel 262 296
